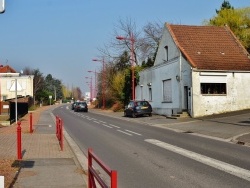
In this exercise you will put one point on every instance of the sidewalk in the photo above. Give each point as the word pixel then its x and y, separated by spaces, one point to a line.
pixel 43 163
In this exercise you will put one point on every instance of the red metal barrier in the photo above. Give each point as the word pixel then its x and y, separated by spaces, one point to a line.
pixel 59 131
pixel 31 123
pixel 19 141
pixel 92 174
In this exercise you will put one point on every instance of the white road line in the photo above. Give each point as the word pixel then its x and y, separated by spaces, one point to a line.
pixel 107 126
pixel 124 132
pixel 133 132
pixel 114 126
pixel 231 169
pixel 102 121
pixel 97 122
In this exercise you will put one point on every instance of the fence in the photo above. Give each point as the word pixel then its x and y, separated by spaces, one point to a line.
pixel 59 131
pixel 94 175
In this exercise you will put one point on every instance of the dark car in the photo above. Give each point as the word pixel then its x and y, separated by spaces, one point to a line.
pixel 138 108
pixel 81 106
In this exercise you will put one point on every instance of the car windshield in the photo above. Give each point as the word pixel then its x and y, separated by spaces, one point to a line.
pixel 142 103
pixel 82 103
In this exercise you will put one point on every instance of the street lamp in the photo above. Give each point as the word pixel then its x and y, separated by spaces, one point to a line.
pixel 132 60
pixel 91 95
pixel 103 80
pixel 94 82
pixel 88 96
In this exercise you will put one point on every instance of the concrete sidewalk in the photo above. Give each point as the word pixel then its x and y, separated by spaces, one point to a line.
pixel 43 163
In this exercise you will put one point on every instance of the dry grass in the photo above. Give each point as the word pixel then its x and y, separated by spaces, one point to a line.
pixel 4 118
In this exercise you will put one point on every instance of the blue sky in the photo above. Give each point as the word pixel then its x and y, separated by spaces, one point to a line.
pixel 61 37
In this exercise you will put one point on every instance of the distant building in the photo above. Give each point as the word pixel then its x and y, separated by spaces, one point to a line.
pixel 87 97
pixel 10 80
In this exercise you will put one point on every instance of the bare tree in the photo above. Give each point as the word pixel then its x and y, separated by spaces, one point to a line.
pixel 151 39
pixel 38 81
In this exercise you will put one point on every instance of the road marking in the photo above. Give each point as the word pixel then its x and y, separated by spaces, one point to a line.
pixel 231 169
pixel 102 121
pixel 107 126
pixel 133 132
pixel 124 132
pixel 114 126
pixel 97 122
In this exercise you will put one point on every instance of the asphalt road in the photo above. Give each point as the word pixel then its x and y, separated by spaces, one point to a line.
pixel 147 156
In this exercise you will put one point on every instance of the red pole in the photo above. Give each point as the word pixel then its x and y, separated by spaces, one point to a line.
pixel 61 141
pixel 31 129
pixel 132 64
pixel 19 141
pixel 57 126
pixel 90 185
pixel 113 179
pixel 103 86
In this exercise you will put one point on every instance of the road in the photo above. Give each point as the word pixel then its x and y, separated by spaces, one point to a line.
pixel 148 156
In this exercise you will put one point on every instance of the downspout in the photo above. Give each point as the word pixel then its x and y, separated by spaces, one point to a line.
pixel 180 83
pixel 191 90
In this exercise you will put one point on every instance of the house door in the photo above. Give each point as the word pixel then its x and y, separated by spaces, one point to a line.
pixel 185 106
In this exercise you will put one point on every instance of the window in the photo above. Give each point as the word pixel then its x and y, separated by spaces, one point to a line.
pixel 150 94
pixel 167 91
pixel 213 88
pixel 4 97
pixel 166 53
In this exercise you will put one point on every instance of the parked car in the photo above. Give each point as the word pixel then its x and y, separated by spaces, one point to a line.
pixel 138 108
pixel 81 106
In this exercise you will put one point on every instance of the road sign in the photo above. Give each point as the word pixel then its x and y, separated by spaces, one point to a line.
pixel 2 6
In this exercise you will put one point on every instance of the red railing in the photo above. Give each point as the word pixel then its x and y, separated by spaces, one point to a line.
pixel 92 174
pixel 59 131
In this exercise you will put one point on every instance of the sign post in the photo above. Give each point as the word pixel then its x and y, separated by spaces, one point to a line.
pixel 50 97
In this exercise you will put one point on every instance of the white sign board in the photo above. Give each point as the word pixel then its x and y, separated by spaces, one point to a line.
pixel 5 106
pixel 50 96
pixel 1 181
pixel 2 6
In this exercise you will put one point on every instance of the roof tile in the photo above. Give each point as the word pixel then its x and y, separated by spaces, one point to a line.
pixel 210 47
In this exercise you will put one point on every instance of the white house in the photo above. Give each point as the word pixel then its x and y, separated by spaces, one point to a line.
pixel 12 84
pixel 203 70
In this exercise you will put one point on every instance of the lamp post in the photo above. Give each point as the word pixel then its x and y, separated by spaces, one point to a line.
pixel 132 59
pixel 95 90
pixel 88 84
pixel 103 81
pixel 90 87
pixel 16 99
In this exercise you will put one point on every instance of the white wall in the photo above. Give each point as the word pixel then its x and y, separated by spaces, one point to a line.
pixel 164 70
pixel 24 86
pixel 237 97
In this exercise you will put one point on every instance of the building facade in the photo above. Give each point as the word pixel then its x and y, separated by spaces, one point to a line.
pixel 202 70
